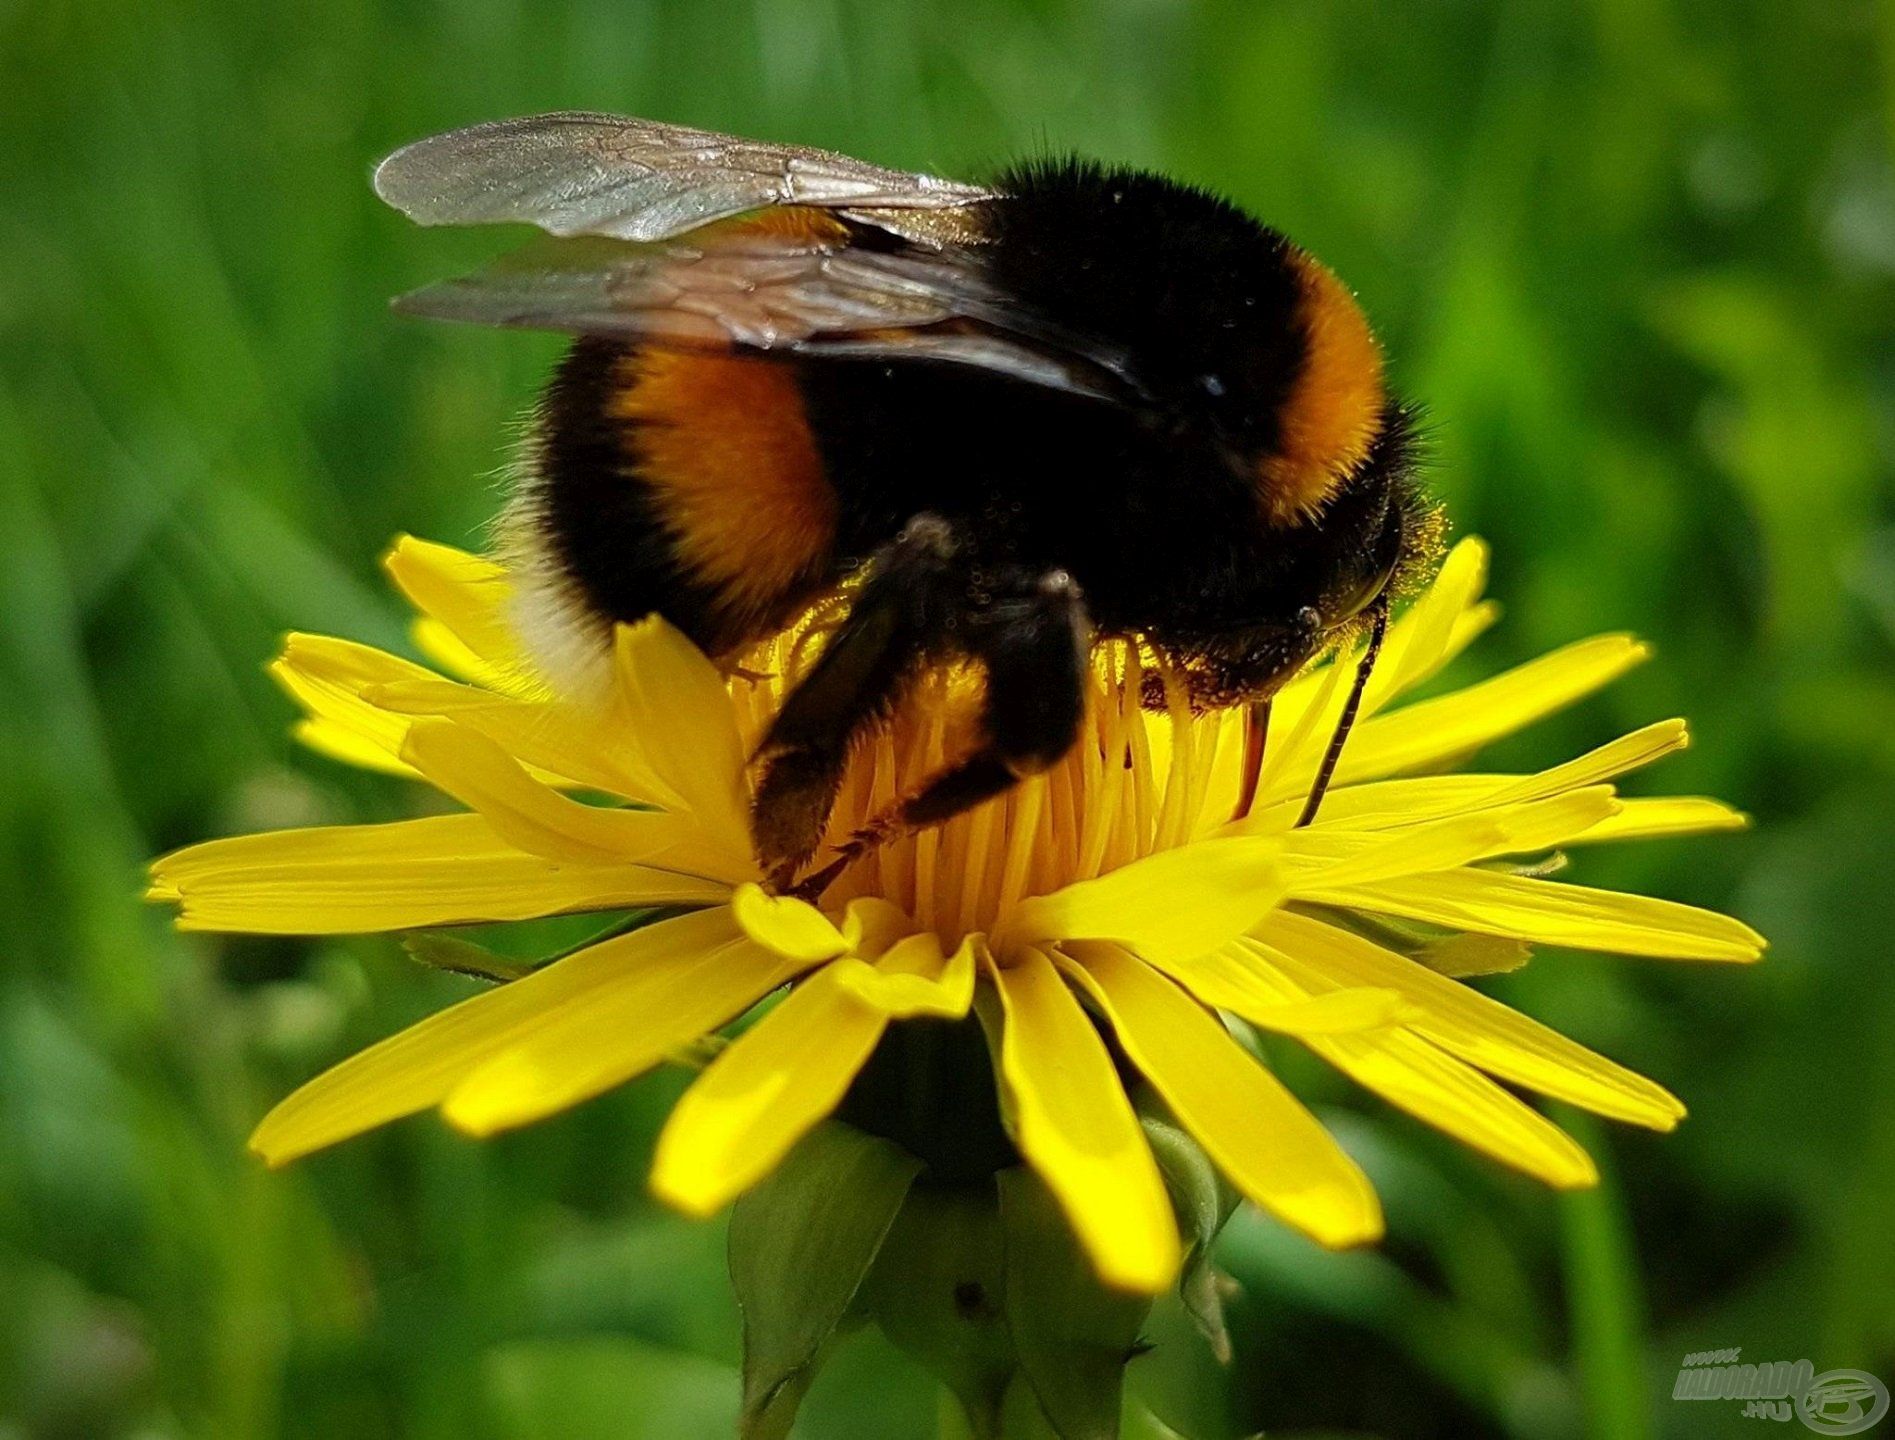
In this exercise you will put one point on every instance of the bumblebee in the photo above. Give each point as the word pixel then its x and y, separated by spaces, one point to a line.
pixel 1004 422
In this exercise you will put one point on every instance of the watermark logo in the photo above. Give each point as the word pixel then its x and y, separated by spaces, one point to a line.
pixel 1836 1402
pixel 1843 1402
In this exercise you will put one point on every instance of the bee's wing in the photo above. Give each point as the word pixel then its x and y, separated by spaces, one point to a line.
pixel 577 173
pixel 778 293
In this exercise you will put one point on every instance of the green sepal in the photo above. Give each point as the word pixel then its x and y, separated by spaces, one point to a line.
pixel 801 1243
pixel 440 950
pixel 1072 1333
pixel 938 1292
pixel 463 957
pixel 1142 1424
pixel 1466 956
pixel 1202 1202
pixel 1459 955
pixel 1541 868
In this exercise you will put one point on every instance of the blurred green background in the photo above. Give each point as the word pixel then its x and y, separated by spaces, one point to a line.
pixel 1636 257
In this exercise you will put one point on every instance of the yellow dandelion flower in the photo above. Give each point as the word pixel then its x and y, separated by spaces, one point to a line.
pixel 1114 894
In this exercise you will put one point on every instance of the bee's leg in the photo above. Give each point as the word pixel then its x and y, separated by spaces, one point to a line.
pixel 1033 647
pixel 1256 740
pixel 1034 651
pixel 913 583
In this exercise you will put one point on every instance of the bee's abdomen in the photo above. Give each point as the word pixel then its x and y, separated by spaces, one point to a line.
pixel 682 484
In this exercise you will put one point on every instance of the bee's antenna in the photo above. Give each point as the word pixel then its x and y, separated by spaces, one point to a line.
pixel 1378 627
pixel 1256 739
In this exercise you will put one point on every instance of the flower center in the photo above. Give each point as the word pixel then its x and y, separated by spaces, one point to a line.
pixel 1133 784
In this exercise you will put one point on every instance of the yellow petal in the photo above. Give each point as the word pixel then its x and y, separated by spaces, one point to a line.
pixel 1387 804
pixel 1458 1100
pixel 1410 1072
pixel 764 1093
pixel 538 819
pixel 1458 840
pixel 1425 637
pixel 1469 626
pixel 356 879
pixel 421 1065
pixel 1074 1125
pixel 871 924
pixel 786 925
pixel 1459 723
pixel 681 721
pixel 1224 981
pixel 466 595
pixel 913 978
pixel 346 744
pixel 326 677
pixel 1669 815
pixel 1608 762
pixel 446 651
pixel 612 745
pixel 1551 913
pixel 677 990
pixel 1303 716
pixel 1469 1024
pixel 1268 1145
pixel 352 690
pixel 1172 905
pixel 1382 804
pixel 1530 826
pixel 568 742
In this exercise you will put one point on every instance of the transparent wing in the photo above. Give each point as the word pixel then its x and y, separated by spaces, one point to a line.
pixel 778 293
pixel 577 173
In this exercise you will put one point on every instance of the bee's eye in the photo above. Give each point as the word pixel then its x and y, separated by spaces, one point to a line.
pixel 1378 568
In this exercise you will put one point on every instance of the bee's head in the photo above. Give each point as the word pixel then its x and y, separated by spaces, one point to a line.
pixel 1373 541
